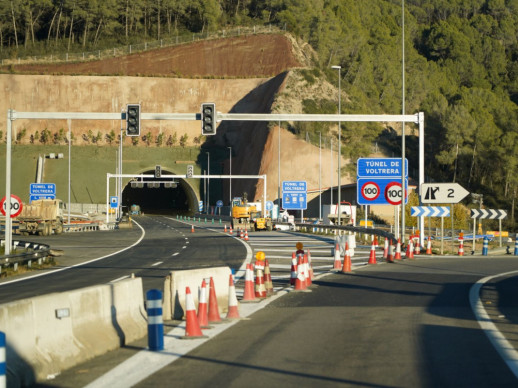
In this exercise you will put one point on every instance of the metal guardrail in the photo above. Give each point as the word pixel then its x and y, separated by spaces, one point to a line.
pixel 30 252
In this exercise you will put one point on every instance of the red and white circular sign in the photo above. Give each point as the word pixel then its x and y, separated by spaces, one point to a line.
pixel 16 206
pixel 370 191
pixel 393 193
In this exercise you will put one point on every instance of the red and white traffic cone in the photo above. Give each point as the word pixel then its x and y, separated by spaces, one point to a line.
pixel 337 263
pixel 429 246
pixel 386 249
pixel 260 289
pixel 246 235
pixel 233 306
pixel 307 272
pixel 249 293
pixel 346 267
pixel 372 256
pixel 417 249
pixel 300 281
pixel 397 256
pixel 293 269
pixel 192 327
pixel 268 284
pixel 410 250
pixel 461 247
pixel 241 234
pixel 376 244
pixel 192 228
pixel 225 228
pixel 390 257
pixel 230 231
pixel 203 317
pixel 213 304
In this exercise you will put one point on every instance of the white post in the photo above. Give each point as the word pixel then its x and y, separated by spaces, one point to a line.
pixel 320 177
pixel 8 220
pixel 107 197
pixel 69 122
pixel 230 188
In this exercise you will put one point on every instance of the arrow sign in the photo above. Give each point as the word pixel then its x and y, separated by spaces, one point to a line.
pixel 492 214
pixel 442 193
pixel 430 211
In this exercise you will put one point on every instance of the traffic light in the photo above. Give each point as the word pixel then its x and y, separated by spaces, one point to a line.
pixel 158 171
pixel 133 120
pixel 208 119
pixel 190 170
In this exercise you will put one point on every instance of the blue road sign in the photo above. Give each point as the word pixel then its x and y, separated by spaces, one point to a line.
pixel 430 211
pixel 294 195
pixel 380 191
pixel 380 168
pixel 269 205
pixel 43 189
pixel 35 197
pixel 114 202
pixel 219 203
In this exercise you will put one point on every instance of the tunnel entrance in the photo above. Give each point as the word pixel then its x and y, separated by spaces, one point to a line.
pixel 158 195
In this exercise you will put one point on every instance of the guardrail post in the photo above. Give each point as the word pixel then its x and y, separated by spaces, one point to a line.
pixel 3 366
pixel 155 323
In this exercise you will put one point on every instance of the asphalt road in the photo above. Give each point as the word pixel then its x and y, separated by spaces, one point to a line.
pixel 164 244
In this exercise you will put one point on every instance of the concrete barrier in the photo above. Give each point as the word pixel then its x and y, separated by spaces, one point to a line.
pixel 176 281
pixel 51 333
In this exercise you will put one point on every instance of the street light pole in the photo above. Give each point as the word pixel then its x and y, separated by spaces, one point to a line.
pixel 403 168
pixel 339 68
pixel 279 172
pixel 230 188
pixel 319 176
pixel 208 181
pixel 331 141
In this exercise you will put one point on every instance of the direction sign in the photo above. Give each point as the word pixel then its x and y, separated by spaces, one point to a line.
pixel 35 197
pixel 380 167
pixel 380 191
pixel 43 189
pixel 114 202
pixel 219 203
pixel 430 211
pixel 492 214
pixel 442 193
pixel 294 195
pixel 16 205
pixel 269 205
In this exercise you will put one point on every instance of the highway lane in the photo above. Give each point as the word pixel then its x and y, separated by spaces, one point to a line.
pixel 166 245
pixel 407 324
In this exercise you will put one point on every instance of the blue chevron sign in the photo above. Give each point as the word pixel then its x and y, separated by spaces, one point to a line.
pixel 430 211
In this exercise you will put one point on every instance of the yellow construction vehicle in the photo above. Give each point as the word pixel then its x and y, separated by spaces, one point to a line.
pixel 246 216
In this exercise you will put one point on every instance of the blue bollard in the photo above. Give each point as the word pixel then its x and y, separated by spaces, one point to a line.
pixel 516 246
pixel 3 367
pixel 485 245
pixel 155 323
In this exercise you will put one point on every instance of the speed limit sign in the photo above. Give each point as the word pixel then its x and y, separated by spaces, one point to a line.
pixel 16 206
pixel 393 193
pixel 370 191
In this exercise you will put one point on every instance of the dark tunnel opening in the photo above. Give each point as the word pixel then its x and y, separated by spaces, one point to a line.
pixel 155 196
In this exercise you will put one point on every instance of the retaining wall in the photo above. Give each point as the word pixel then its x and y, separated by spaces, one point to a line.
pixel 100 318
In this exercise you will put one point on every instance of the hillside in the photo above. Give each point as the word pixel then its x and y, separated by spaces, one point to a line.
pixel 244 65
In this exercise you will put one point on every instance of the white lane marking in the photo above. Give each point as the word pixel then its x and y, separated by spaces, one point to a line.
pixel 176 253
pixel 501 344
pixel 119 279
pixel 185 246
pixel 83 263
pixel 157 263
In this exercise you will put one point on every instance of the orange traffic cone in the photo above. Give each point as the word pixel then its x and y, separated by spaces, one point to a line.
pixel 213 304
pixel 192 228
pixel 225 228
pixel 410 250
pixel 246 235
pixel 241 234
pixel 268 284
pixel 397 256
pixel 249 294
pixel 461 247
pixel 233 307
pixel 203 318
pixel 372 256
pixel 338 263
pixel 417 249
pixel 300 281
pixel 376 244
pixel 310 268
pixel 192 327
pixel 429 246
pixel 293 269
pixel 390 257
pixel 347 260
pixel 260 289
pixel 230 231
pixel 307 272
pixel 386 249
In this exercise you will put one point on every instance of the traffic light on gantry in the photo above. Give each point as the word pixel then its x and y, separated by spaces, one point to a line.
pixel 158 171
pixel 133 120
pixel 208 119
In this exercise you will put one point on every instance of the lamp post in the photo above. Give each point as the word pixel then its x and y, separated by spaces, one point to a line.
pixel 208 181
pixel 319 176
pixel 279 172
pixel 403 168
pixel 339 68
pixel 230 186
pixel 331 175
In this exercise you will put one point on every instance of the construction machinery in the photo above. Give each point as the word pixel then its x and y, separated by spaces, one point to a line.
pixel 247 216
pixel 43 216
